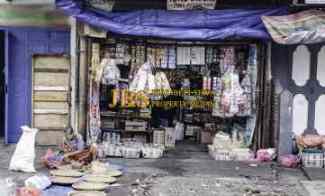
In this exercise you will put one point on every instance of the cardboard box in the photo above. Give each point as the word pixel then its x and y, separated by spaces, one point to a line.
pixel 206 137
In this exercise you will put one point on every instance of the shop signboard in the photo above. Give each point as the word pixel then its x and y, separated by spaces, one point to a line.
pixel 106 5
pixel 190 4
pixel 314 1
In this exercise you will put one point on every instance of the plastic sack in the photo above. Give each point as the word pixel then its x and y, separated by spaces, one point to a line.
pixel 111 73
pixel 7 187
pixel 23 158
pixel 265 155
pixel 289 160
pixel 222 141
pixel 40 182
pixel 310 141
pixel 161 81
pixel 143 80
pixel 28 192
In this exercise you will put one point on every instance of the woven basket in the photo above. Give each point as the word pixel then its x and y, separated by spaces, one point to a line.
pixel 86 193
pixel 66 173
pixel 100 179
pixel 89 186
pixel 63 180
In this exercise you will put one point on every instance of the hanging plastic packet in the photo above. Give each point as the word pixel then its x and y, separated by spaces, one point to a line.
pixel 111 73
pixel 171 57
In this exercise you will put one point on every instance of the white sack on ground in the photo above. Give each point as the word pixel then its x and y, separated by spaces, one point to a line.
pixel 24 155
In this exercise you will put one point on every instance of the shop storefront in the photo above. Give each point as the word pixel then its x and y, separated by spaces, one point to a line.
pixel 160 78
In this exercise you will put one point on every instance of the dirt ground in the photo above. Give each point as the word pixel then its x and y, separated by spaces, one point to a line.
pixel 188 171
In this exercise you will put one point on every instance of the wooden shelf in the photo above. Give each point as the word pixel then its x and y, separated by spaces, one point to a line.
pixel 149 132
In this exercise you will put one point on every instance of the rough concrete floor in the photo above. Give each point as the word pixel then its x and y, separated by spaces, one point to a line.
pixel 188 171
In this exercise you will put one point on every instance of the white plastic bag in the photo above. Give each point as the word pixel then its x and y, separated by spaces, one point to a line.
pixel 111 73
pixel 161 81
pixel 24 155
pixel 144 80
pixel 39 181
pixel 7 187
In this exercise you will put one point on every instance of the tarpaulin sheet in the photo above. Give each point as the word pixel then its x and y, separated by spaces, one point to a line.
pixel 306 27
pixel 57 190
pixel 184 25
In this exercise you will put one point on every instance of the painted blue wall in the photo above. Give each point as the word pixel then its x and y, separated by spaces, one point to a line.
pixel 23 44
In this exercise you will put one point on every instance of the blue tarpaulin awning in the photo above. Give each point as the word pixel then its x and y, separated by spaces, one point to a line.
pixel 183 25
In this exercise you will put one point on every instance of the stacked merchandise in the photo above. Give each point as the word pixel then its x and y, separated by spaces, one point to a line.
pixel 226 148
pixel 226 77
pixel 113 137
pixel 190 55
pixel 311 150
pixel 163 57
pixel 135 148
pixel 138 58
pixel 231 98
pixel 234 102
pixel 131 149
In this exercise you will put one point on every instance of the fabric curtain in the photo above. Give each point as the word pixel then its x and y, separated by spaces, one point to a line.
pixel 263 134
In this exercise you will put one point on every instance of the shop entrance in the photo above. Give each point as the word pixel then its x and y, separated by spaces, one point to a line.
pixel 2 83
pixel 186 96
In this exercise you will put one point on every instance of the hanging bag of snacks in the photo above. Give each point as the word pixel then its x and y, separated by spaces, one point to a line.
pixel 111 73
